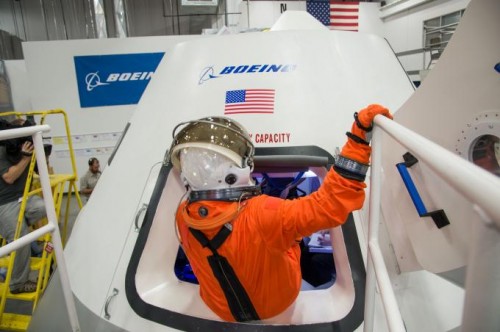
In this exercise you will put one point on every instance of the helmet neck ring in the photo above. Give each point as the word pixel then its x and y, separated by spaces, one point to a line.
pixel 227 194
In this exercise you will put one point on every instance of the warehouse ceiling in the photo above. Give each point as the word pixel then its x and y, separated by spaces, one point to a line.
pixel 171 17
pixel 81 19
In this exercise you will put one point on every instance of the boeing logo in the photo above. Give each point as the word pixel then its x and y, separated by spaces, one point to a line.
pixel 93 80
pixel 114 79
pixel 208 72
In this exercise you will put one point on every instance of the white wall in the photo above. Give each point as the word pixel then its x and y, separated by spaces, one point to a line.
pixel 52 85
pixel 18 79
pixel 404 29
pixel 263 14
pixel 369 20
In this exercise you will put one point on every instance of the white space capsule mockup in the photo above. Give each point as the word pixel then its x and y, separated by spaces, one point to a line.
pixel 123 247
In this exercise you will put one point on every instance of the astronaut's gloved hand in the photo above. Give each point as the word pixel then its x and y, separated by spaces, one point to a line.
pixel 363 123
pixel 353 160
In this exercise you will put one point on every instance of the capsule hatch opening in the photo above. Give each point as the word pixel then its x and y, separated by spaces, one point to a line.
pixel 155 292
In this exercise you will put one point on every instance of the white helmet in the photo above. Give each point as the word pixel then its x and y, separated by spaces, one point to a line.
pixel 213 153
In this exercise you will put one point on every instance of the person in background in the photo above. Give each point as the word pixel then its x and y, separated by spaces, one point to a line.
pixel 89 180
pixel 15 158
pixel 243 246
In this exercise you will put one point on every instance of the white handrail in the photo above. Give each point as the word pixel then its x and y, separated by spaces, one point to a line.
pixel 376 269
pixel 25 240
pixel 457 172
pixel 21 132
pixel 52 226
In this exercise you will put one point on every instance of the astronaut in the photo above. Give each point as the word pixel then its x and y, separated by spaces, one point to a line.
pixel 243 246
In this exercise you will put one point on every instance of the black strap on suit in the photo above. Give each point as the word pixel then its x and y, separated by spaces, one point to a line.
pixel 237 298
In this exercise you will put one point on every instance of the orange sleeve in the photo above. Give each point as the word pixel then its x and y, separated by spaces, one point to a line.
pixel 281 222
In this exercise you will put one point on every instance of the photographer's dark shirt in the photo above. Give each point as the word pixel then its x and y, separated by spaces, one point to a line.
pixel 10 192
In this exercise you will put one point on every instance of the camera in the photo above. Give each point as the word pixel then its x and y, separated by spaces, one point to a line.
pixel 13 146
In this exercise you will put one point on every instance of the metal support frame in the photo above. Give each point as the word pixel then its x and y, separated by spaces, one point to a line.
pixel 477 185
pixel 52 226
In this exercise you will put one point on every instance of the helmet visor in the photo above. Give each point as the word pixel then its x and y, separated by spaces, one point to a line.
pixel 218 132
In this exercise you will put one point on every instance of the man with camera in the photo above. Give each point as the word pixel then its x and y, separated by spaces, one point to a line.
pixel 15 158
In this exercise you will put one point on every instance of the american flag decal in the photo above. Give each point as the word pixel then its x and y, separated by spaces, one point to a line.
pixel 249 101
pixel 334 14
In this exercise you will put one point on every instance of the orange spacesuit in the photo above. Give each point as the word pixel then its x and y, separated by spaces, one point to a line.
pixel 262 232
